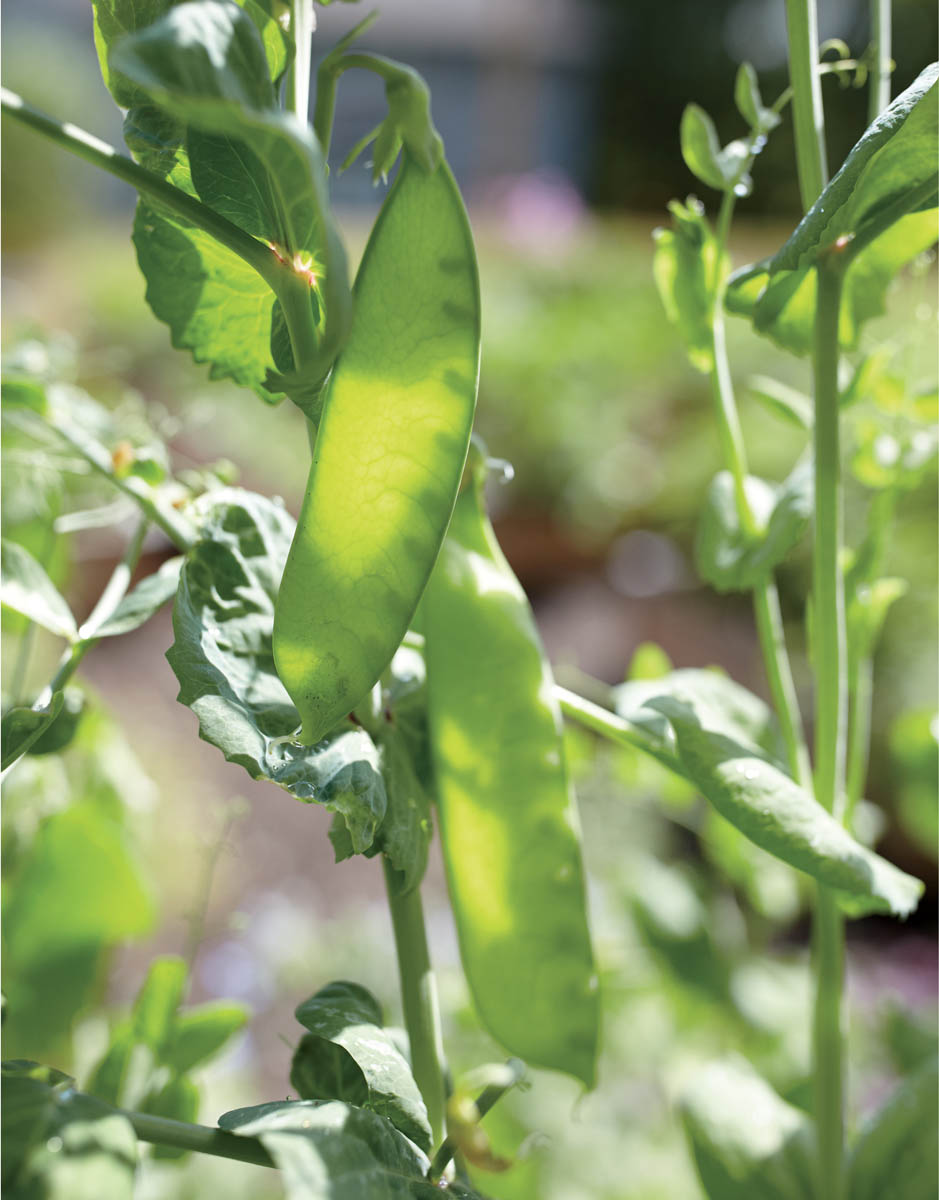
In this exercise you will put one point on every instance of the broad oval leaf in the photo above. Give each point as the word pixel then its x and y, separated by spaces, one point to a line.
pixel 700 148
pixel 895 1154
pixel 346 1017
pixel 27 589
pixel 728 556
pixel 772 810
pixel 140 604
pixel 223 624
pixel 22 727
pixel 333 1151
pixel 748 1143
pixel 749 101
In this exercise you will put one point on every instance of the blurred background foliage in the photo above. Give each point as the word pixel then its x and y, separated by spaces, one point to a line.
pixel 561 120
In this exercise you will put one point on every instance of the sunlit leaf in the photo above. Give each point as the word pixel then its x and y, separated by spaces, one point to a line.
pixel 26 588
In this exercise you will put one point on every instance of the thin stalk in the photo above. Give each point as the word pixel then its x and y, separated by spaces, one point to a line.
pixel 772 635
pixel 162 1131
pixel 861 691
pixel 100 154
pixel 302 26
pixel 830 727
pixel 808 114
pixel 490 1096
pixel 878 95
pixel 418 997
pixel 327 81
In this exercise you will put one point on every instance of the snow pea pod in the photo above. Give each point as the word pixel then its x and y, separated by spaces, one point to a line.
pixel 389 454
pixel 508 822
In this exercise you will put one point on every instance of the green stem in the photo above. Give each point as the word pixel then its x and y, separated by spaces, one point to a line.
pixel 861 691
pixel 728 421
pixel 162 1131
pixel 487 1098
pixel 302 27
pixel 769 624
pixel 878 95
pixel 808 114
pixel 418 997
pixel 100 154
pixel 327 81
pixel 599 720
pixel 830 723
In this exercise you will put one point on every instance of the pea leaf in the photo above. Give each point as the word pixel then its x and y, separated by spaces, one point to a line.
pixel 750 102
pixel 882 203
pixel 75 1146
pixel 685 266
pixel 776 814
pixel 178 1100
pixel 201 1032
pixel 345 1017
pixel 140 604
pixel 718 168
pixel 787 402
pixel 62 729
pixel 26 588
pixel 22 727
pixel 728 556
pixel 157 1001
pixel 332 1151
pixel 406 830
pixel 222 658
pixel 723 706
pixel 748 1143
pixel 203 65
pixel 895 1154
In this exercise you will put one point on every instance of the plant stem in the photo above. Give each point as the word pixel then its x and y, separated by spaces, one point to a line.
pixel 878 96
pixel 162 1131
pixel 861 691
pixel 808 115
pixel 599 720
pixel 302 27
pixel 418 997
pixel 830 725
pixel 728 421
pixel 100 154
pixel 769 624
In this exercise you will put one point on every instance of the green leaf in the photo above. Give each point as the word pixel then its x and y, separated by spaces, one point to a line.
pixel 26 588
pixel 771 810
pixel 719 168
pixel 686 266
pixel 200 1033
pixel 750 103
pixel 77 1147
pixel 157 1001
pixel 792 405
pixel 748 1144
pixel 895 1154
pixel 203 65
pixel 406 830
pixel 78 887
pixel 880 207
pixel 106 1081
pixel 23 727
pixel 867 610
pixel 140 604
pixel 346 1016
pixel 332 1151
pixel 728 556
pixel 723 706
pixel 223 622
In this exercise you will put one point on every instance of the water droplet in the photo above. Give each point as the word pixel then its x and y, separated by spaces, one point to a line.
pixel 758 143
pixel 54 1145
pixel 502 469
pixel 742 188
pixel 751 773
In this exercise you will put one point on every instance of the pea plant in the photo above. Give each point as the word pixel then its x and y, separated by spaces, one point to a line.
pixel 378 657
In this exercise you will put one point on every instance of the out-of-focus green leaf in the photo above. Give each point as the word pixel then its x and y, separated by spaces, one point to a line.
pixel 895 1154
pixel 78 887
pixel 332 1151
pixel 748 1143
pixel 178 1100
pixel 222 657
pixel 140 604
pixel 914 760
pixel 107 1079
pixel 345 1015
pixel 200 1033
pixel 80 1149
pixel 157 1001
pixel 749 101
pixel 867 610
pixel 686 266
pixel 62 729
pixel 779 816
pixel 728 556
pixel 22 727
pixel 792 405
pixel 26 588
pixel 649 661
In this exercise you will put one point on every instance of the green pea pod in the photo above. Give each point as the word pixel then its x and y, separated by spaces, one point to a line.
pixel 508 822
pixel 389 454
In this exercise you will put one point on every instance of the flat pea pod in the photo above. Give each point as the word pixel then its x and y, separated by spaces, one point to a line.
pixel 389 453
pixel 507 817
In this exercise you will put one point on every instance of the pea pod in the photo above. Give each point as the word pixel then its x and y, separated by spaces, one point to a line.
pixel 508 822
pixel 389 454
